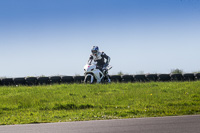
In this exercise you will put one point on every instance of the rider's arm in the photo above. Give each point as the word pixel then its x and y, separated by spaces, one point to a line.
pixel 90 60
pixel 107 58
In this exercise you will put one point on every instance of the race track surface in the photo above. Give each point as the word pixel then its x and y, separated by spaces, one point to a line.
pixel 177 124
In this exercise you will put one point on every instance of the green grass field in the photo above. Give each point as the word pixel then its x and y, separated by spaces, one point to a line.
pixel 80 102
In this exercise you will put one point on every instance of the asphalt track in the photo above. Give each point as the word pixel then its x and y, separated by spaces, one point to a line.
pixel 178 124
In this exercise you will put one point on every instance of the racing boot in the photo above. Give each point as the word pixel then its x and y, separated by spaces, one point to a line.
pixel 109 81
pixel 108 78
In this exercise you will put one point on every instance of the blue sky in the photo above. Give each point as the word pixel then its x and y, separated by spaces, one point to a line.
pixel 54 37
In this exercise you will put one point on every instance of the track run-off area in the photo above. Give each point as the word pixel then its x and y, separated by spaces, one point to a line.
pixel 175 124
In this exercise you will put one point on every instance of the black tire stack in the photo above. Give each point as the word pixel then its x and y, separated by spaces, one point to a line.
pixel 164 77
pixel 19 81
pixel 177 77
pixel 197 76
pixel 151 77
pixel 78 79
pixel 43 80
pixel 115 78
pixel 55 79
pixel 31 81
pixel 140 78
pixel 127 78
pixel 7 81
pixel 188 77
pixel 67 79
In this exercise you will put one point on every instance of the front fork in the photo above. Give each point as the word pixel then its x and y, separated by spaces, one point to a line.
pixel 98 77
pixel 91 79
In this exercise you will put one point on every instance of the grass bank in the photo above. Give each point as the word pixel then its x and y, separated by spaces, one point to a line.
pixel 78 102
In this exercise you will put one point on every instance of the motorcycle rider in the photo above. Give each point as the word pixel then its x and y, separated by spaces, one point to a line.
pixel 100 57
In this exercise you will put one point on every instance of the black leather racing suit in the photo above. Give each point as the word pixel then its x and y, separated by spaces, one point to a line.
pixel 100 59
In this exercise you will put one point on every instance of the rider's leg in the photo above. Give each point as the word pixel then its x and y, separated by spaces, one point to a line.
pixel 105 72
pixel 100 68
pixel 107 76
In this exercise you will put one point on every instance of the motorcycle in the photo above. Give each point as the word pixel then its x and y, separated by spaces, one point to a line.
pixel 94 74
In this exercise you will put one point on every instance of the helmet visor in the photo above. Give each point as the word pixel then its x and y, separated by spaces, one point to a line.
pixel 94 51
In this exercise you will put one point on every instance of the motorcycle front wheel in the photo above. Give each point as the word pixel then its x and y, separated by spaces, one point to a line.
pixel 89 79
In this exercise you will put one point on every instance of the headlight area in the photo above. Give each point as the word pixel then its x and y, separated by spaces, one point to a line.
pixel 89 70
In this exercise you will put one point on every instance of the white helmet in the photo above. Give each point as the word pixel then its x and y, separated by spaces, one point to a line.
pixel 95 50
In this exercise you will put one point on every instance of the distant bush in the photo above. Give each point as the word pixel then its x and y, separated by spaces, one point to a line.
pixel 140 72
pixel 120 73
pixel 177 71
pixel 197 72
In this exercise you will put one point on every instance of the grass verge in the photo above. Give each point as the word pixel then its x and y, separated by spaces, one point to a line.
pixel 80 102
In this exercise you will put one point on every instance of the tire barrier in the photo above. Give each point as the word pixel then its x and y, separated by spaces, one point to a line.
pixel 19 81
pixel 176 77
pixel 78 79
pixel 197 76
pixel 189 77
pixel 114 78
pixel 7 81
pixel 67 79
pixel 31 81
pixel 55 79
pixel 140 78
pixel 43 80
pixel 127 78
pixel 164 77
pixel 151 77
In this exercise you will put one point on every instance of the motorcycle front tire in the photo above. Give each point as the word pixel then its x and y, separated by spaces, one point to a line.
pixel 89 79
